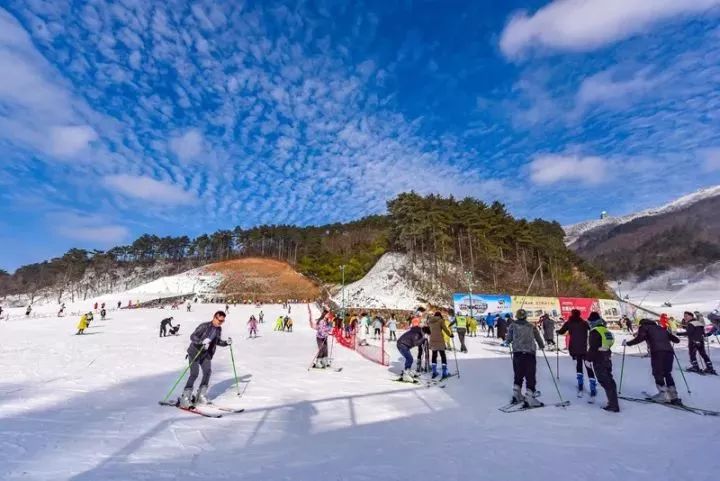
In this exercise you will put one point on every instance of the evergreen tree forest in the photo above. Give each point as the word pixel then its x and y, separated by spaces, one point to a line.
pixel 453 241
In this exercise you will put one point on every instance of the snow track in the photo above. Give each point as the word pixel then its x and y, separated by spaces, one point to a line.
pixel 85 408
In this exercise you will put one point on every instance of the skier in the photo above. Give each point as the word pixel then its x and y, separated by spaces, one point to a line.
pixel 60 313
pixel 438 327
pixel 696 344
pixel 601 341
pixel 578 329
pixel 189 306
pixel 629 325
pixel 28 310
pixel 261 317
pixel 119 304
pixel 289 324
pixel 661 358
pixel 322 331
pixel 90 318
pixel 82 325
pixel 392 328
pixel 663 321
pixel 472 327
pixel 490 323
pixel 460 323
pixel 164 325
pixel 279 323
pixel 203 342
pixel 414 337
pixel 377 327
pixel 103 313
pixel 525 340
pixel 501 324
pixel 548 327
pixel 95 306
pixel 252 326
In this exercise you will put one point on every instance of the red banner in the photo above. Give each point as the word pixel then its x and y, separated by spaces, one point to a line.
pixel 583 304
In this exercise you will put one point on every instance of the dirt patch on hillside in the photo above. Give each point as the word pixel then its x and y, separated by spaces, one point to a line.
pixel 263 280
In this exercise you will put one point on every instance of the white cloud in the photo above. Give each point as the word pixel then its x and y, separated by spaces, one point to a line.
pixel 552 168
pixel 584 25
pixel 609 89
pixel 148 189
pixel 711 159
pixel 81 226
pixel 188 145
pixel 69 140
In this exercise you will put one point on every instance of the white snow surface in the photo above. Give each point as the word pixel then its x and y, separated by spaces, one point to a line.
pixel 85 408
pixel 573 232
pixel 194 281
pixel 385 287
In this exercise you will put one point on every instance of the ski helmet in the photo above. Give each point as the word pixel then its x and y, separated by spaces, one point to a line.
pixel 521 314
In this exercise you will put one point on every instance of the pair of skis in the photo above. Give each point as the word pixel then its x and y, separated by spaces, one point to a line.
pixel 522 406
pixel 647 399
pixel 440 382
pixel 207 410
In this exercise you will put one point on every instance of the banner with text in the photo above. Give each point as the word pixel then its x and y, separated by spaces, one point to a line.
pixel 610 310
pixel 583 304
pixel 482 304
pixel 536 306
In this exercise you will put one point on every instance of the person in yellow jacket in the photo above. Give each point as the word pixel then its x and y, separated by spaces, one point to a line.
pixel 82 325
pixel 472 326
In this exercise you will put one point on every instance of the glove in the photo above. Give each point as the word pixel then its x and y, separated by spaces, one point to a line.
pixel 229 341
pixel 624 343
pixel 206 343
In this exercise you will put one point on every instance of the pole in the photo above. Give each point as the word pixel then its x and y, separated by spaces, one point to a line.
pixel 557 355
pixel 232 359
pixel 622 370
pixel 182 375
pixel 682 373
pixel 562 401
pixel 527 292
pixel 457 368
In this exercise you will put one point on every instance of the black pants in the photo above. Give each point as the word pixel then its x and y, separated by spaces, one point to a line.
pixel 322 347
pixel 393 337
pixel 579 361
pixel 662 365
pixel 603 370
pixel 696 348
pixel 443 357
pixel 491 331
pixel 204 363
pixel 461 335
pixel 524 367
pixel 163 328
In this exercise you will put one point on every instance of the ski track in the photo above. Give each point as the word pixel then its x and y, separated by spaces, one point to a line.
pixel 85 408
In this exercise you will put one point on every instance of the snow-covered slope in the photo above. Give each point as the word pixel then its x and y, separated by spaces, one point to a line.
pixel 573 232
pixel 84 408
pixel 386 286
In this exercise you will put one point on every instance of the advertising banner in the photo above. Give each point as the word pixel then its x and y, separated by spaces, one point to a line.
pixel 536 306
pixel 610 310
pixel 583 304
pixel 482 304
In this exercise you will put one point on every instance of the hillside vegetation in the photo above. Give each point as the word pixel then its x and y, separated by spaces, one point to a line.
pixel 498 252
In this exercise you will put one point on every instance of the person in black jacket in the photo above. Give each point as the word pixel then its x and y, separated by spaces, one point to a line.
pixel 662 356
pixel 415 337
pixel 164 324
pixel 501 324
pixel 696 343
pixel 203 342
pixel 579 329
pixel 600 342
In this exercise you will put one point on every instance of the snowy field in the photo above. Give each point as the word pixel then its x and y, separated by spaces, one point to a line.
pixel 85 408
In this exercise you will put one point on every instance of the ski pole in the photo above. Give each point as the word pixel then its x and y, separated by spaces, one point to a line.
pixel 232 359
pixel 187 368
pixel 562 401
pixel 557 355
pixel 682 373
pixel 457 368
pixel 622 370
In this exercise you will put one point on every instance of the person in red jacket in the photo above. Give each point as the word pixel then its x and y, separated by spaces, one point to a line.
pixel 663 321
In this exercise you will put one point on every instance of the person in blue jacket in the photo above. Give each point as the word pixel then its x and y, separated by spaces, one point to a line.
pixel 490 322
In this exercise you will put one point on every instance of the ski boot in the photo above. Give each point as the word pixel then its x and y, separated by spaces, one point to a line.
pixel 434 370
pixel 612 409
pixel 709 370
pixel 593 389
pixel 517 396
pixel 407 376
pixel 445 373
pixel 201 397
pixel 661 396
pixel 672 395
pixel 694 368
pixel 531 401
pixel 186 399
pixel 580 384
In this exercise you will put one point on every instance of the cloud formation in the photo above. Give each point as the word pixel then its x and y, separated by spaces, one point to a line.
pixel 553 169
pixel 585 25
pixel 148 189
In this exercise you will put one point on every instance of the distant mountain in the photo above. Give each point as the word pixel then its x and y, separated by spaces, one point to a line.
pixel 682 233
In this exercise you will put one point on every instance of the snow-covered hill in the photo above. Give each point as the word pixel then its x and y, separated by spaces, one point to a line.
pixel 573 232
pixel 85 408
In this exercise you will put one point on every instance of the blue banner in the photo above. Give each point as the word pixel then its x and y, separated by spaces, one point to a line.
pixel 481 304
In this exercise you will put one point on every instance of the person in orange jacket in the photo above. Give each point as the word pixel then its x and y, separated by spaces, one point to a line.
pixel 663 321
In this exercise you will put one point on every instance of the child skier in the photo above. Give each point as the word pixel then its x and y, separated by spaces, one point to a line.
pixel 696 344
pixel 415 337
pixel 323 328
pixel 579 329
pixel 252 326
pixel 82 325
pixel 392 328
pixel 377 327
pixel 438 328
pixel 662 356
pixel 525 339
pixel 203 342
pixel 601 341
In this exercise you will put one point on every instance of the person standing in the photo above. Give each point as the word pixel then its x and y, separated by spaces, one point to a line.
pixel 392 328
pixel 261 317
pixel 377 327
pixel 28 310
pixel 82 325
pixel 203 342
pixel 578 329
pixel 490 323
pixel 696 344
pixel 252 326
pixel 322 332
pixel 662 356
pixel 501 324
pixel 460 323
pixel 525 339
pixel 600 341
pixel 438 327
pixel 548 328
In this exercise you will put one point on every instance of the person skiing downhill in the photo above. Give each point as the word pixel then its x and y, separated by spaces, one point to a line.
pixel 252 327
pixel 696 344
pixel 601 341
pixel 525 339
pixel 82 325
pixel 414 337
pixel 662 356
pixel 322 331
pixel 438 327
pixel 579 329
pixel 203 342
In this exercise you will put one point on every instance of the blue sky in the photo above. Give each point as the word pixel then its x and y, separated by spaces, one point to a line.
pixel 120 118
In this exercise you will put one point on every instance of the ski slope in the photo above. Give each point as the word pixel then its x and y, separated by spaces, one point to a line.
pixel 85 408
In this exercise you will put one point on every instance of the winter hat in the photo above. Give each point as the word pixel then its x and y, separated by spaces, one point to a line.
pixel 521 314
pixel 594 316
pixel 575 313
pixel 688 313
